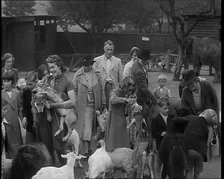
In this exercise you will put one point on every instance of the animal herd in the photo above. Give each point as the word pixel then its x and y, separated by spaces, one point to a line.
pixel 34 160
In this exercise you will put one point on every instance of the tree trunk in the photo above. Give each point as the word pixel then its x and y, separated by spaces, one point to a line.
pixel 168 61
pixel 177 71
pixel 160 27
pixel 186 63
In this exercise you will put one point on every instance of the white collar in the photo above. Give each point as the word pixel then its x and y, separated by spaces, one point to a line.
pixel 4 121
pixel 163 116
pixel 108 58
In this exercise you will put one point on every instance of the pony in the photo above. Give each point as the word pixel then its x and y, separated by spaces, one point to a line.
pixel 28 160
pixel 173 149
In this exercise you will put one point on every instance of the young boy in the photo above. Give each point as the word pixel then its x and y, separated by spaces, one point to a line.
pixel 29 119
pixel 159 127
pixel 161 91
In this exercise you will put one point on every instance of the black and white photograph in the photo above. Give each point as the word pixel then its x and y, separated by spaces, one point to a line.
pixel 111 89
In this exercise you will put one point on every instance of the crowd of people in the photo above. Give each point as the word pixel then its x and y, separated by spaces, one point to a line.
pixel 101 83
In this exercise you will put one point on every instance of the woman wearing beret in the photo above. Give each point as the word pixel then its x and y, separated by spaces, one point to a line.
pixel 90 97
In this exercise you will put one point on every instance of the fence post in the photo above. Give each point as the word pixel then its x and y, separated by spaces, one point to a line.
pixel 168 61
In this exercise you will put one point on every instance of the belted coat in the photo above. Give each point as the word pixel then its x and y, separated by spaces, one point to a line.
pixel 81 91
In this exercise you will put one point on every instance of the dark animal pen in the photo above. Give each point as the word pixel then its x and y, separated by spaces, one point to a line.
pixel 29 38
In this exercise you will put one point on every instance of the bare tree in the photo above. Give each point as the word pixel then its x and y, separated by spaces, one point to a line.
pixel 18 8
pixel 174 10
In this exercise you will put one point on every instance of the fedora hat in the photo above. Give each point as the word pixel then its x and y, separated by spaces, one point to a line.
pixel 188 77
pixel 86 61
pixel 145 55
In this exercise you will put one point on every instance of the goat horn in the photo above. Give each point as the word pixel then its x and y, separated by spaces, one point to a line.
pixel 81 156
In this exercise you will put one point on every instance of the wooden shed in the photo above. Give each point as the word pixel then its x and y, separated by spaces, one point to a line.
pixel 29 38
pixel 209 27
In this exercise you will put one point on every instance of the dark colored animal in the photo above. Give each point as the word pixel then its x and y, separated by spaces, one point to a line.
pixel 28 160
pixel 204 51
pixel 172 150
pixel 172 153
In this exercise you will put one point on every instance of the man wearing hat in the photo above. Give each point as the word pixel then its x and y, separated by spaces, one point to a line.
pixel 110 68
pixel 144 96
pixel 134 57
pixel 90 97
pixel 197 95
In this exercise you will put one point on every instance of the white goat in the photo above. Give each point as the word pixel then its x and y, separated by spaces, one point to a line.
pixel 73 143
pixel 99 162
pixel 64 172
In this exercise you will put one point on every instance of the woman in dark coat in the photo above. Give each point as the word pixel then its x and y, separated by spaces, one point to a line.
pixel 116 131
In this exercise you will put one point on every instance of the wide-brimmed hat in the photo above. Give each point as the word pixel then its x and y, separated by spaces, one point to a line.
pixel 86 61
pixel 188 77
pixel 145 55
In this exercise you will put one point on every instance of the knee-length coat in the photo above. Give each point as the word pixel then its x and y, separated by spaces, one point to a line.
pixel 81 91
pixel 116 130
pixel 14 110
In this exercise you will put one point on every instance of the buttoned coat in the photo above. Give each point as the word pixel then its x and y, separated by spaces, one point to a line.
pixel 158 126
pixel 116 129
pixel 209 98
pixel 81 91
pixel 13 135
pixel 116 69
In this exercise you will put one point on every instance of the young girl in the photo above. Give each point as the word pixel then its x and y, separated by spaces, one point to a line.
pixel 12 97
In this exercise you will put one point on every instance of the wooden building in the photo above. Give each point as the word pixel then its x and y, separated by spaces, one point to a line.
pixel 29 38
pixel 209 27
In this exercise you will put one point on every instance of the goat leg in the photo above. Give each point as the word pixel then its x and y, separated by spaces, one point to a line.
pixel 61 127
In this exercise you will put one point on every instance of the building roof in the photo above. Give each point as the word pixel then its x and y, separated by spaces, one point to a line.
pixel 28 18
